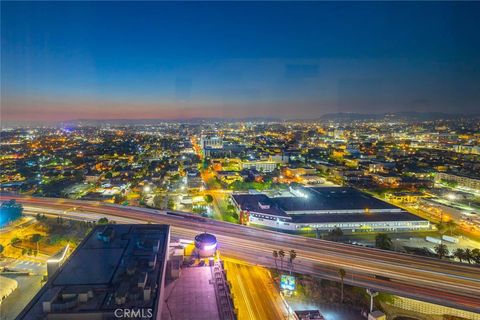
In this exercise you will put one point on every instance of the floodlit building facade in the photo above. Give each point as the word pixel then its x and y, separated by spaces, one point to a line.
pixel 263 166
pixel 325 209
pixel 461 180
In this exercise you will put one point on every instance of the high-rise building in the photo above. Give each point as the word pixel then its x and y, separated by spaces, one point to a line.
pixel 118 271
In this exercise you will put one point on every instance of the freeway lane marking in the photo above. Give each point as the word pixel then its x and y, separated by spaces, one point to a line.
pixel 310 257
pixel 329 254
pixel 372 269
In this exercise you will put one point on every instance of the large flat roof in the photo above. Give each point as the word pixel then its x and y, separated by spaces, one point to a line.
pixel 325 205
pixel 192 296
pixel 332 198
pixel 317 199
pixel 110 262
pixel 259 203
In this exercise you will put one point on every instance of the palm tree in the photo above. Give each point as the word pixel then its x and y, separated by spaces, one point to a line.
pixel 441 250
pixel 341 274
pixel 275 257
pixel 451 226
pixel 36 239
pixel 459 254
pixel 468 255
pixel 158 201
pixel 442 228
pixel 383 241
pixel 281 254
pixel 335 234
pixel 293 256
pixel 476 255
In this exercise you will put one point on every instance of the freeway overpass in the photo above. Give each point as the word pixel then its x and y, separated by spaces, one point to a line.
pixel 432 280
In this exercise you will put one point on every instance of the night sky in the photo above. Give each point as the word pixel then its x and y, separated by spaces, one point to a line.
pixel 108 60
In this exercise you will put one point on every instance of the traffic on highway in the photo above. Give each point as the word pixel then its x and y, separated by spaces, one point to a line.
pixel 427 279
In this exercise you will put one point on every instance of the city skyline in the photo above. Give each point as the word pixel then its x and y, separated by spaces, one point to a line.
pixel 239 160
pixel 318 196
pixel 67 61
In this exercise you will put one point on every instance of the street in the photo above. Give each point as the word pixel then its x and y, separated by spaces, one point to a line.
pixel 255 294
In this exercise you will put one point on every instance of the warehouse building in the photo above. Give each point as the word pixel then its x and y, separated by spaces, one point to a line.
pixel 325 209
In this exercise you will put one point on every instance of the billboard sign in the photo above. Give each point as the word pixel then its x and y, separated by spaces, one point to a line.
pixel 287 282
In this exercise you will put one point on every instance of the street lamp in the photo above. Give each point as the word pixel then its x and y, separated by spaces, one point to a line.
pixel 451 196
pixel 372 294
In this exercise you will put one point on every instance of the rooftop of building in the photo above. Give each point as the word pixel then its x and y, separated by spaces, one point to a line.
pixel 470 175
pixel 314 199
pixel 309 315
pixel 331 198
pixel 325 205
pixel 192 296
pixel 115 266
pixel 259 203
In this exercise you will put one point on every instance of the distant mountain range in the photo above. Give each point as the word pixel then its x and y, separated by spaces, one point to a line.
pixel 341 116
pixel 406 115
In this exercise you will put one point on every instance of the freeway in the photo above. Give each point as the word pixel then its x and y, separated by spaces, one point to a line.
pixel 432 280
